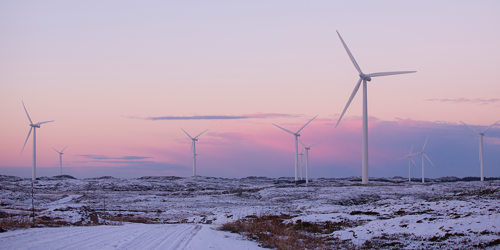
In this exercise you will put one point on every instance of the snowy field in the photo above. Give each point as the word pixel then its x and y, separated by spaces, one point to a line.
pixel 126 236
pixel 183 213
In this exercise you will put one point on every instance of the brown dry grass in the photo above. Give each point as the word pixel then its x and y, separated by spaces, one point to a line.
pixel 18 221
pixel 272 232
pixel 14 222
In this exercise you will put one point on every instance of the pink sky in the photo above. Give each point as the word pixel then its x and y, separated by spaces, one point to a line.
pixel 101 69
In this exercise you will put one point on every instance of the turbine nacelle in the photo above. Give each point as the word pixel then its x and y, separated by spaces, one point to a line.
pixel 35 125
pixel 365 77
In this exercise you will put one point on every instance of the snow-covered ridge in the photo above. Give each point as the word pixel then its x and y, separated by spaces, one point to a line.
pixel 443 212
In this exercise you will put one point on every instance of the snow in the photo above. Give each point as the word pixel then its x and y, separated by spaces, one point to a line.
pixel 448 214
pixel 128 236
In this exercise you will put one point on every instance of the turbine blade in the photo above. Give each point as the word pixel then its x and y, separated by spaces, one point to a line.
pixel 415 154
pixel 191 155
pixel 286 130
pixel 306 124
pixel 414 162
pixel 350 100
pixel 27 113
pixel 389 73
pixel 40 123
pixel 470 127
pixel 425 143
pixel 187 133
pixel 29 133
pixel 64 149
pixel 429 159
pixel 56 150
pixel 201 133
pixel 411 148
pixel 314 144
pixel 302 143
pixel 302 150
pixel 349 53
pixel 490 126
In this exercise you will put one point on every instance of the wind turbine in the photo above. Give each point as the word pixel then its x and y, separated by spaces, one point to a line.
pixel 33 127
pixel 481 134
pixel 410 160
pixel 60 158
pixel 307 159
pixel 423 154
pixel 193 148
pixel 301 163
pixel 364 78
pixel 296 144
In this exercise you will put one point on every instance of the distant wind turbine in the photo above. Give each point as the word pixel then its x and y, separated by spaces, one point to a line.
pixel 481 134
pixel 33 126
pixel 410 160
pixel 307 159
pixel 193 148
pixel 301 163
pixel 296 144
pixel 423 154
pixel 364 78
pixel 60 159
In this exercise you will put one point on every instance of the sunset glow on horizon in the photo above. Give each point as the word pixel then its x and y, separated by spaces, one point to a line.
pixel 121 79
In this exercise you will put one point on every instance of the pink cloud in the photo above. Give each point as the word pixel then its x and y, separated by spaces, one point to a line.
pixel 257 115
pixel 467 100
pixel 270 115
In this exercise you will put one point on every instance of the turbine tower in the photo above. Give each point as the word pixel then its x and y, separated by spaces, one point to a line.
pixel 296 144
pixel 410 160
pixel 60 159
pixel 481 134
pixel 423 154
pixel 193 148
pixel 307 159
pixel 301 163
pixel 33 126
pixel 364 78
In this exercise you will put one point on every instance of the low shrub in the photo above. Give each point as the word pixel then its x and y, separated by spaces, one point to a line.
pixel 14 222
pixel 271 231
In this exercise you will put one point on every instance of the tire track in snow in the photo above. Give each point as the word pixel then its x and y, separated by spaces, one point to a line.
pixel 177 237
pixel 129 236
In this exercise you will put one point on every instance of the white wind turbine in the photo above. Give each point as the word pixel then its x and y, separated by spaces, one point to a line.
pixel 410 160
pixel 33 127
pixel 301 163
pixel 423 154
pixel 364 78
pixel 481 134
pixel 60 158
pixel 307 159
pixel 193 148
pixel 296 143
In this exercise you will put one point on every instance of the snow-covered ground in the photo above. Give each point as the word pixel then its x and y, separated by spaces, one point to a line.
pixel 388 213
pixel 127 236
